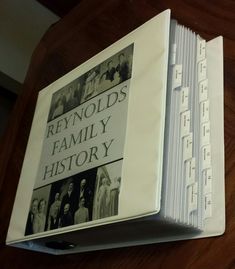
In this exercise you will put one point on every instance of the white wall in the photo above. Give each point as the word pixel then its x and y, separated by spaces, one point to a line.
pixel 22 24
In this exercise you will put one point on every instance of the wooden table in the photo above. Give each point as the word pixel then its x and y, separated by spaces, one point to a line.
pixel 86 30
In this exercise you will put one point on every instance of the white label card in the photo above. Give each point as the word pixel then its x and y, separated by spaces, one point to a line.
pixel 184 99
pixel 208 206
pixel 207 180
pixel 201 49
pixel 192 197
pixel 204 111
pixel 185 123
pixel 177 76
pixel 190 171
pixel 187 147
pixel 205 133
pixel 202 70
pixel 206 157
pixel 203 90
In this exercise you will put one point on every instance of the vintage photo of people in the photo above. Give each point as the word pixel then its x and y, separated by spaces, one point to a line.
pixel 107 191
pixel 36 220
pixel 87 196
pixel 73 199
pixel 102 77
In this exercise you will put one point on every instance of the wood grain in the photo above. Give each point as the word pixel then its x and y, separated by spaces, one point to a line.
pixel 86 30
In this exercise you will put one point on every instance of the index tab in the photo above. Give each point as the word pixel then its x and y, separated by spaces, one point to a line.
pixel 207 180
pixel 204 111
pixel 184 96
pixel 201 49
pixel 177 76
pixel 208 206
pixel 173 54
pixel 205 133
pixel 187 147
pixel 192 197
pixel 190 171
pixel 203 90
pixel 202 70
pixel 185 123
pixel 206 157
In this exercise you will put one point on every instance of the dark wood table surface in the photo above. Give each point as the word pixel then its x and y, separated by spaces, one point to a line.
pixel 86 30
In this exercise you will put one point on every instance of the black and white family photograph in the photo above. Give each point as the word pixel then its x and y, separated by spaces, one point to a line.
pixel 102 77
pixel 90 195
pixel 71 200
pixel 36 220
pixel 108 184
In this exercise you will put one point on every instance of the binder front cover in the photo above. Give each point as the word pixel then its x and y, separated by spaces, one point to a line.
pixel 95 150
